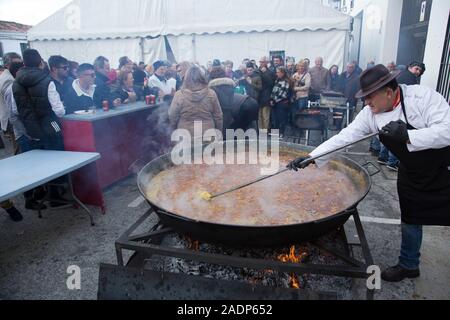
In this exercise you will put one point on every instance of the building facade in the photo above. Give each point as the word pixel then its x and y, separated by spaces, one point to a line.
pixel 13 38
pixel 403 31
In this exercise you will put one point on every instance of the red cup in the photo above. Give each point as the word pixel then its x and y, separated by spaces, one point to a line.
pixel 105 105
pixel 148 100
pixel 152 99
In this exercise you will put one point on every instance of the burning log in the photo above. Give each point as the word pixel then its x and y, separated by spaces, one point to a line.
pixel 293 257
pixel 193 245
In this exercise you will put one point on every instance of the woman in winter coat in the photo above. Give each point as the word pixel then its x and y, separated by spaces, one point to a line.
pixel 195 102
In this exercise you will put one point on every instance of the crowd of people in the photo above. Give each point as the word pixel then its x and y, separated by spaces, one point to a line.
pixel 35 94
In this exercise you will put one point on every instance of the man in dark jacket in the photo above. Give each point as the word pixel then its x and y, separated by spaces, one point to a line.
pixel 38 102
pixel 268 81
pixel 59 72
pixel 139 74
pixel 39 107
pixel 350 86
pixel 224 88
pixel 411 76
pixel 103 90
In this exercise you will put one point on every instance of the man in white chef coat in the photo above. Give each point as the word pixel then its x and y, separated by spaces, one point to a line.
pixel 414 124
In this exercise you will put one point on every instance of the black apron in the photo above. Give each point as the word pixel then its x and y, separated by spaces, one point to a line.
pixel 423 181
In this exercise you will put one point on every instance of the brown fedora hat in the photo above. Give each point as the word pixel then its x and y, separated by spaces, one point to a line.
pixel 374 79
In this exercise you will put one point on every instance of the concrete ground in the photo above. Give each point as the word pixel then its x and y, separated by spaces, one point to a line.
pixel 35 254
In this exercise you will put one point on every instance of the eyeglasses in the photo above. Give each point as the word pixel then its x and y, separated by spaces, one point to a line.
pixel 92 75
pixel 64 68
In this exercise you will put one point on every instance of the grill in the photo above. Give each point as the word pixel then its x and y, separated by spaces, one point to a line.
pixel 165 265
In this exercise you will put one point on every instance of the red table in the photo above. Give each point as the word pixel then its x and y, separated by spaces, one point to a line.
pixel 127 138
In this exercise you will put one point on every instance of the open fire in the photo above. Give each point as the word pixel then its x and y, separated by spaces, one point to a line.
pixel 293 257
pixel 319 267
pixel 268 277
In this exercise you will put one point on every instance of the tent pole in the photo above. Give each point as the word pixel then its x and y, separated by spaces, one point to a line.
pixel 141 45
pixel 347 49
pixel 194 47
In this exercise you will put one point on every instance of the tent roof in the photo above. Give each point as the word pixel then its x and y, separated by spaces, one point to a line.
pixel 113 19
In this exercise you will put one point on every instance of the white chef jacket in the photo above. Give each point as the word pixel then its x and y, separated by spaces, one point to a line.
pixel 427 111
pixel 165 86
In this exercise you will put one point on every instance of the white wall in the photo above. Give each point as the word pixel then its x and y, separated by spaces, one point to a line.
pixel 380 43
pixel 85 51
pixel 435 42
pixel 380 31
pixel 11 45
pixel 236 47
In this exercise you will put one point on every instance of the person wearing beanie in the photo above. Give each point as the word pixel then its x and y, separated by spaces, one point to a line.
pixel 166 88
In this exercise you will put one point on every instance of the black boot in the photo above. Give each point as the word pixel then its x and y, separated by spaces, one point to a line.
pixel 14 214
pixel 397 274
pixel 39 194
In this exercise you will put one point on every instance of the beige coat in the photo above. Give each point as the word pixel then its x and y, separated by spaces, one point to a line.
pixel 188 106
pixel 302 91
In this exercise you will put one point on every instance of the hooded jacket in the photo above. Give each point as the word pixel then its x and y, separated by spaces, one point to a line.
pixel 224 88
pixel 31 94
pixel 190 106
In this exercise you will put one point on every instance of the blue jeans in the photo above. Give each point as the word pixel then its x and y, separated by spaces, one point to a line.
pixel 280 114
pixel 302 103
pixel 26 144
pixel 299 105
pixel 386 155
pixel 375 145
pixel 411 243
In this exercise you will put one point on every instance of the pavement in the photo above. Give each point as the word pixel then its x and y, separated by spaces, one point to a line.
pixel 36 253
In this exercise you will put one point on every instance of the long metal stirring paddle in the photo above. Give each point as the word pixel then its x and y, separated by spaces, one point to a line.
pixel 207 196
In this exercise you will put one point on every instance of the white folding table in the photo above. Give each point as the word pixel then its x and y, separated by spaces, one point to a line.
pixel 35 168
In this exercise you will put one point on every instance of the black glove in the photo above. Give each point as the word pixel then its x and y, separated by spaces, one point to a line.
pixel 299 163
pixel 397 131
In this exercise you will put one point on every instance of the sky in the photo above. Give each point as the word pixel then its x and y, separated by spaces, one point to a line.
pixel 29 12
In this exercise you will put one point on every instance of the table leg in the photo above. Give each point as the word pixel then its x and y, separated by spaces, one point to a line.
pixel 81 204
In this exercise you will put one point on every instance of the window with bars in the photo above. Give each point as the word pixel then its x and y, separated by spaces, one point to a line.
pixel 444 74
pixel 23 47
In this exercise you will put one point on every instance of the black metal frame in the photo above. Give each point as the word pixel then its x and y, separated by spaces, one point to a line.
pixel 150 244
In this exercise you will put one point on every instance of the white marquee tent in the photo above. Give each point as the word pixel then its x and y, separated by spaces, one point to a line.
pixel 194 30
